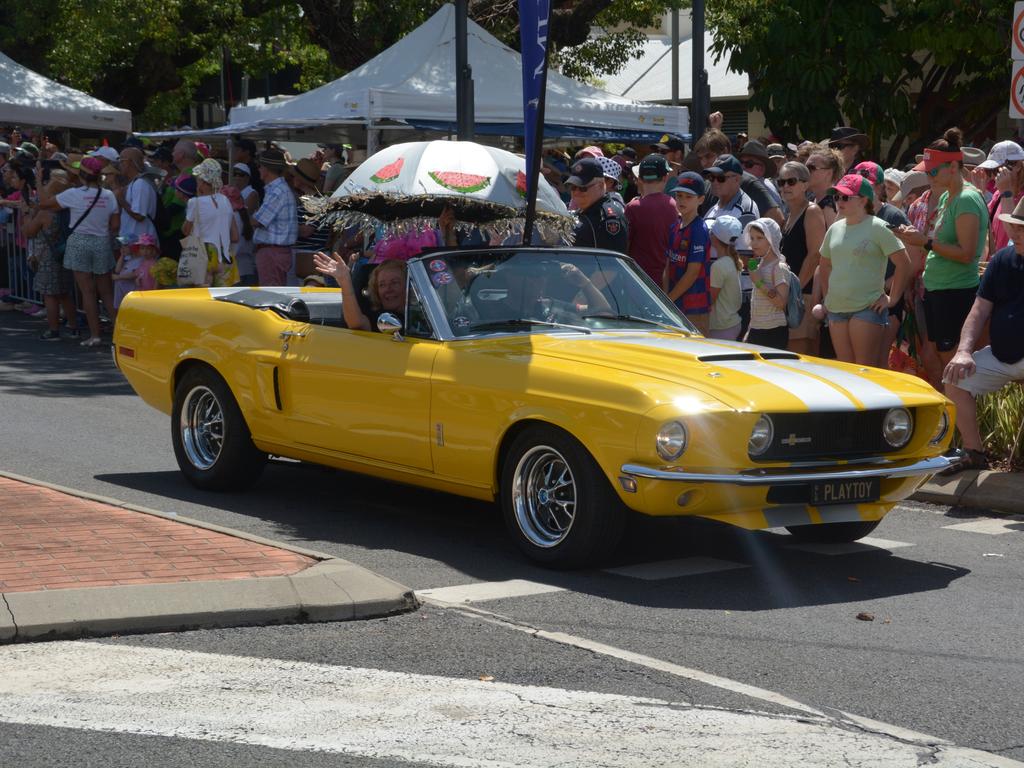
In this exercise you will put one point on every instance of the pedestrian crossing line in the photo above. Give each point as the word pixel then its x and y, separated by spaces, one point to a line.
pixel 425 719
pixel 486 590
pixel 867 544
pixel 991 526
pixel 674 569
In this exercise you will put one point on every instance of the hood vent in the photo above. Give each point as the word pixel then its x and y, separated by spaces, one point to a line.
pixel 726 356
pixel 779 356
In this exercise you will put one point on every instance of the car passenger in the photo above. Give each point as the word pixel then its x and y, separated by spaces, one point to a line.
pixel 386 288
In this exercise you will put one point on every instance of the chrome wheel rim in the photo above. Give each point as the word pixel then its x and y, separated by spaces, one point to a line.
pixel 544 496
pixel 202 427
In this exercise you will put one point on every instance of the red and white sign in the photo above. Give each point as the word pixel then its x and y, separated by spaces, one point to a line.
pixel 1017 91
pixel 1017 41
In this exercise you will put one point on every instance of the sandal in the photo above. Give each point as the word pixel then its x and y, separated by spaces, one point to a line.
pixel 966 459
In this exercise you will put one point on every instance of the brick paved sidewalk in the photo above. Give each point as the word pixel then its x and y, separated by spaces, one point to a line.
pixel 52 540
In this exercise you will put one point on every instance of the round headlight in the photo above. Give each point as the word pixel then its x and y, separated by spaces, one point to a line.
pixel 761 437
pixel 897 427
pixel 671 441
pixel 941 429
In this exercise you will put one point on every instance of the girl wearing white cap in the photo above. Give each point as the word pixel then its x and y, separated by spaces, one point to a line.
pixel 726 294
pixel 768 325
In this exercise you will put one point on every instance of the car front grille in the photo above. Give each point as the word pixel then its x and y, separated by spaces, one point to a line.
pixel 823 436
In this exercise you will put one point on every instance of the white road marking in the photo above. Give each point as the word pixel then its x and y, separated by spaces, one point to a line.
pixel 991 526
pixel 867 544
pixel 486 590
pixel 674 569
pixel 422 718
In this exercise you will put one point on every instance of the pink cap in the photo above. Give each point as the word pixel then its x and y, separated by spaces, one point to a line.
pixel 146 239
pixel 590 151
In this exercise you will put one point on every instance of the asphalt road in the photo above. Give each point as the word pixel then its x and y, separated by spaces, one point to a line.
pixel 943 655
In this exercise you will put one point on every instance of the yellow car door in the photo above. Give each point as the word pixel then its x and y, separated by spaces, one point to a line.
pixel 359 393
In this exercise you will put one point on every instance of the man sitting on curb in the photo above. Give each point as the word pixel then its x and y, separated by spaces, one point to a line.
pixel 1001 298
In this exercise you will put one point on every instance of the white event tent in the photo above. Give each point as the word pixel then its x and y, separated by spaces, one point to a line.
pixel 28 98
pixel 412 83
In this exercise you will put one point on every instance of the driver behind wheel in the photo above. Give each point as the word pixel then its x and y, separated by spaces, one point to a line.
pixel 533 287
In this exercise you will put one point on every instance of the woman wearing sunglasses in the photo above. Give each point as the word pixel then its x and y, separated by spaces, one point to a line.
pixel 1006 162
pixel 854 255
pixel 961 236
pixel 826 168
pixel 801 241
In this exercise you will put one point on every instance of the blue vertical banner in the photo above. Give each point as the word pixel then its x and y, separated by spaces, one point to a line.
pixel 533 42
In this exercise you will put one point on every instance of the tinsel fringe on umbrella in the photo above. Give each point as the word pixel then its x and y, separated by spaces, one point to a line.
pixel 398 216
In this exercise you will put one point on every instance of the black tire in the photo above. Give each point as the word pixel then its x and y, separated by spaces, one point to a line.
pixel 212 442
pixel 582 536
pixel 833 533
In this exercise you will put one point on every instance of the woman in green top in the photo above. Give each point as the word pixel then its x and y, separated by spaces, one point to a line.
pixel 961 232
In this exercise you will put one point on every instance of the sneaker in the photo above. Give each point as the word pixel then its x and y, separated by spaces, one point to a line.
pixel 92 341
pixel 49 335
pixel 73 333
pixel 968 459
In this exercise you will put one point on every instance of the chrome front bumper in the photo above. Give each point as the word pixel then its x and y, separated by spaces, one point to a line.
pixel 786 475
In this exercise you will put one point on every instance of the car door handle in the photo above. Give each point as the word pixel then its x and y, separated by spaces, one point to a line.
pixel 286 335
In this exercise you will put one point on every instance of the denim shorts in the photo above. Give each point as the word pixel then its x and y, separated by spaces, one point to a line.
pixel 868 315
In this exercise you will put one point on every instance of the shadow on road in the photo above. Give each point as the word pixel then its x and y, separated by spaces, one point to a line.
pixel 54 368
pixel 311 505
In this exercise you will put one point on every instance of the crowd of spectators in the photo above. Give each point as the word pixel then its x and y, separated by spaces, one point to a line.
pixel 888 262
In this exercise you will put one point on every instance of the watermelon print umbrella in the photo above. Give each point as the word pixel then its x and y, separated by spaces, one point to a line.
pixel 407 186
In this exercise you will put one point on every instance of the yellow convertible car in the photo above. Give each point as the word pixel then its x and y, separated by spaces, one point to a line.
pixel 561 383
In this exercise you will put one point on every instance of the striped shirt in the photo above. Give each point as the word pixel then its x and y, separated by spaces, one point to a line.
pixel 278 215
pixel 690 245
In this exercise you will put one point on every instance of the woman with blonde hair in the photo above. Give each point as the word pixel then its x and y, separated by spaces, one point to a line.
pixel 386 288
pixel 826 168
pixel 211 215
pixel 801 240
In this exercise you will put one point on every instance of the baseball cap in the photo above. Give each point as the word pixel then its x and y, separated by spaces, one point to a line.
pixel 107 153
pixel 5 148
pixel 871 171
pixel 612 170
pixel 670 143
pixel 629 153
pixel 242 168
pixel 591 151
pixel 584 171
pixel 689 183
pixel 725 164
pixel 727 229
pixel 186 185
pixel 653 167
pixel 1000 153
pixel 854 184
pixel 92 165
pixel 28 148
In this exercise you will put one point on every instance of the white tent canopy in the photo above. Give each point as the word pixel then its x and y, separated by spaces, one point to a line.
pixel 28 98
pixel 414 81
pixel 649 77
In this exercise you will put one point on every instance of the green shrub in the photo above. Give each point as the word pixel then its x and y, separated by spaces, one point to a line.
pixel 1001 421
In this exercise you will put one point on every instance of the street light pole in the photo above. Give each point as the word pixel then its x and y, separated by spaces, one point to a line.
pixel 463 74
pixel 699 90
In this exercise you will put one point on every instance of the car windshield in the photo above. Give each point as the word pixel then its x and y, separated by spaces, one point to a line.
pixel 534 291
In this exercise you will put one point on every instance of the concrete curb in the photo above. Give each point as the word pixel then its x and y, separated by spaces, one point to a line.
pixel 999 491
pixel 331 590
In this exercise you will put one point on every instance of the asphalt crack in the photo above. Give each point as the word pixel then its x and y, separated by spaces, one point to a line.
pixel 11 614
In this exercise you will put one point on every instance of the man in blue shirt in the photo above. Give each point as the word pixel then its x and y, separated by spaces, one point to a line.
pixel 275 223
pixel 1001 299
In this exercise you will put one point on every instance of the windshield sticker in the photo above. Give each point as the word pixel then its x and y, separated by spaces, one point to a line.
pixel 438 265
pixel 441 278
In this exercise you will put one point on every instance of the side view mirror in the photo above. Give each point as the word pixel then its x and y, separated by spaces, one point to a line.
pixel 389 323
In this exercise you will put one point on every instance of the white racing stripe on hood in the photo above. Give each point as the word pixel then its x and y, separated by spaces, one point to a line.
pixel 816 394
pixel 874 396
pixel 683 345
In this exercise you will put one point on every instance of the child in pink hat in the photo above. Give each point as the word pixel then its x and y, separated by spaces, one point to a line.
pixel 134 269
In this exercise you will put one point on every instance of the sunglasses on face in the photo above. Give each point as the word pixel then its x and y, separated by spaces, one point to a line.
pixel 935 171
pixel 579 188
pixel 751 163
pixel 789 182
pixel 845 198
pixel 720 179
pixel 1011 164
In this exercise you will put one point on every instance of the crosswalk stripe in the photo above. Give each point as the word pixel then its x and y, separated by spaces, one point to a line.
pixel 674 569
pixel 867 544
pixel 992 526
pixel 427 719
pixel 487 590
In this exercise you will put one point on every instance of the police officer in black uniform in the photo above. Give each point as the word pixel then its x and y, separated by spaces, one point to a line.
pixel 601 218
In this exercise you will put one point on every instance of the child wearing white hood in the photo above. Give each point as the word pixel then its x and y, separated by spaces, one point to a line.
pixel 768 270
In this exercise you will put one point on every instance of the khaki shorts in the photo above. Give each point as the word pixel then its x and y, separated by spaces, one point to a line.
pixel 991 374
pixel 808 329
pixel 702 321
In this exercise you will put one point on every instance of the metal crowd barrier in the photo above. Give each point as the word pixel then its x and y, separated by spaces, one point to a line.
pixel 15 257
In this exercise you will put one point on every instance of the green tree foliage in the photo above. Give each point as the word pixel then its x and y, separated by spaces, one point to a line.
pixel 904 69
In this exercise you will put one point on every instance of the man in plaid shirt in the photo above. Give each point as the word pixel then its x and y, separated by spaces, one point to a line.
pixel 275 222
